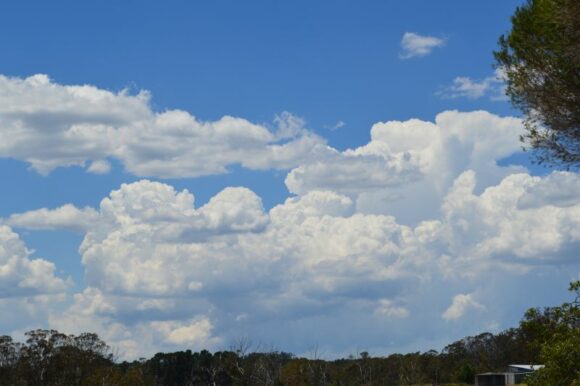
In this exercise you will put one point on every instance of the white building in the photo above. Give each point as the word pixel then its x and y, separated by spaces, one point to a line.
pixel 515 375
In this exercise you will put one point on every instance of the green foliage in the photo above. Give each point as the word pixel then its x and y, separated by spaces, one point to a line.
pixel 541 60
pixel 51 358
pixel 559 338
pixel 466 374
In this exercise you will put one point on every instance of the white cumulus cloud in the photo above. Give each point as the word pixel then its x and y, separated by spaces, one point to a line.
pixel 184 275
pixel 462 303
pixel 495 225
pixel 466 87
pixel 408 166
pixel 66 217
pixel 50 125
pixel 22 276
pixel 421 214
pixel 415 45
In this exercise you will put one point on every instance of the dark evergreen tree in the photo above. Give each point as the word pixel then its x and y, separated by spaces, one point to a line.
pixel 541 59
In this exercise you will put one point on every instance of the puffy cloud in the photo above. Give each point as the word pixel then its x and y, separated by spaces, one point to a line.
pixel 22 276
pixel 144 335
pixel 376 234
pixel 352 171
pixel 495 224
pixel 408 166
pixel 415 45
pixel 192 333
pixel 179 275
pixel 313 204
pixel 50 125
pixel 153 228
pixel 298 266
pixel 231 266
pixel 461 304
pixel 234 209
pixel 175 144
pixel 465 87
pixel 558 189
pixel 29 289
pixel 66 217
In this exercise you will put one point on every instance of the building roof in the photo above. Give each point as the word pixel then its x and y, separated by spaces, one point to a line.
pixel 491 373
pixel 528 367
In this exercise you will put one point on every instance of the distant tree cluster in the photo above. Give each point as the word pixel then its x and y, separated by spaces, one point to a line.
pixel 550 336
pixel 51 358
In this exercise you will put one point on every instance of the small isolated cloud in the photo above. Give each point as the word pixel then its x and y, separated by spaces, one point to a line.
pixel 460 305
pixel 466 87
pixel 415 45
pixel 66 217
pixel 336 126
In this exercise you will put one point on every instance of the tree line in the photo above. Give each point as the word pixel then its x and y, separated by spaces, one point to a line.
pixel 548 335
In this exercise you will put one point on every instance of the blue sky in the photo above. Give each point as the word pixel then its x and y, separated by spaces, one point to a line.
pixel 444 195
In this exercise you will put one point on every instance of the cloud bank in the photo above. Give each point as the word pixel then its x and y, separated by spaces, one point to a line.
pixel 195 277
pixel 396 241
